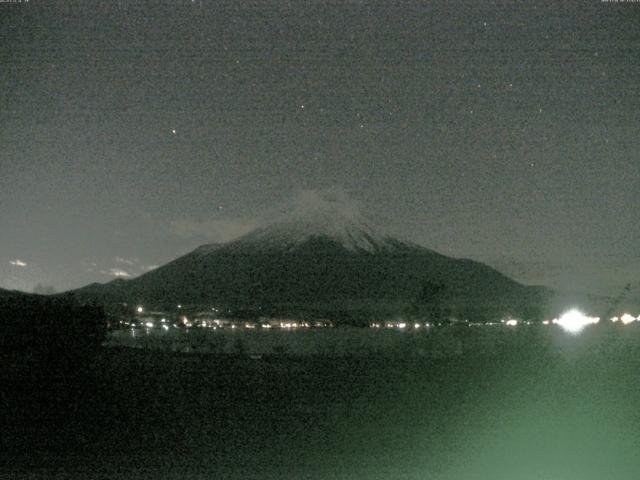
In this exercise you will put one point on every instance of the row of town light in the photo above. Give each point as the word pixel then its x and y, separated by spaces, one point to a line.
pixel 572 321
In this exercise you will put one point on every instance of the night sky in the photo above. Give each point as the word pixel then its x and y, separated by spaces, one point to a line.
pixel 132 132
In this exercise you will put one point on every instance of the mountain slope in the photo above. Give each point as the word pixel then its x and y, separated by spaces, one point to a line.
pixel 325 261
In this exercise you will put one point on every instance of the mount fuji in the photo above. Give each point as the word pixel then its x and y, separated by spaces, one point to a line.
pixel 327 261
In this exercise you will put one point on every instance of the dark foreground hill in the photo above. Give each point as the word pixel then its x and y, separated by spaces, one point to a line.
pixel 47 347
pixel 46 328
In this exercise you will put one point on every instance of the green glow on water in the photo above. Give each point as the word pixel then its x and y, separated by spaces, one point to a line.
pixel 531 403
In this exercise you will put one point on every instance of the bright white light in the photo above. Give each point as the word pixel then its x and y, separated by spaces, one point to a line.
pixel 165 327
pixel 17 263
pixel 416 325
pixel 140 309
pixel 574 321
pixel 627 318
pixel 545 322
pixel 614 319
pixel 511 322
pixel 149 324
pixel 402 325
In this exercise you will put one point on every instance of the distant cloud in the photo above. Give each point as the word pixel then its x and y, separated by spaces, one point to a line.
pixel 89 267
pixel 302 203
pixel 116 272
pixel 124 261
pixel 324 200
pixel 18 263
pixel 215 230
pixel 124 267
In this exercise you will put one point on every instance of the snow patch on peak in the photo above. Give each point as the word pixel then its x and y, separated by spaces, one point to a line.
pixel 328 216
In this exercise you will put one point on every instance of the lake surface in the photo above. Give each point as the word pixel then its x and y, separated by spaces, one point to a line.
pixel 523 403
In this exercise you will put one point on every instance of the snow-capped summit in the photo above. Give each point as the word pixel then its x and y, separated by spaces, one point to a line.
pixel 328 218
